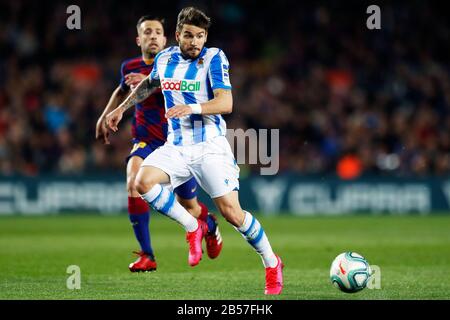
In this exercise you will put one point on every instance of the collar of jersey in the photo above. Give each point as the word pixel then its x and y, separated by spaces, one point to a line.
pixel 148 62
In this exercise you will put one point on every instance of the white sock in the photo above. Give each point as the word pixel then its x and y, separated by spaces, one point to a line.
pixel 162 200
pixel 252 231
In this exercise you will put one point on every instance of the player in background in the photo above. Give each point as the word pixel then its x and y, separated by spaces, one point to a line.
pixel 196 85
pixel 149 131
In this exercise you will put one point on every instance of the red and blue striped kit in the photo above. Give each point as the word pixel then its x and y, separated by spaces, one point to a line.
pixel 149 124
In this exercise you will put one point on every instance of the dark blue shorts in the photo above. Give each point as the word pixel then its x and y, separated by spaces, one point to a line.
pixel 140 149
pixel 187 190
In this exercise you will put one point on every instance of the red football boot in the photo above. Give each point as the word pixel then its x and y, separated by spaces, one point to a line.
pixel 143 263
pixel 213 240
pixel 194 239
pixel 274 278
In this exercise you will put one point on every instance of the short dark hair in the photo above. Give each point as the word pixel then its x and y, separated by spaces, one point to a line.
pixel 193 16
pixel 151 18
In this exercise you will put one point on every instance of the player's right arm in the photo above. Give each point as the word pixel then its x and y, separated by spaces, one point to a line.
pixel 127 80
pixel 141 92
pixel 101 130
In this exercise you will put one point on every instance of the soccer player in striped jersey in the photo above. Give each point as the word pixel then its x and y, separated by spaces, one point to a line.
pixel 149 131
pixel 195 81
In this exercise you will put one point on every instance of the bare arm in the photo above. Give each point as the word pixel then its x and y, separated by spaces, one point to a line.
pixel 140 93
pixel 144 89
pixel 116 98
pixel 101 131
pixel 222 103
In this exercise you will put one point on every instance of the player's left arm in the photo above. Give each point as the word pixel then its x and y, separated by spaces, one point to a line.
pixel 222 103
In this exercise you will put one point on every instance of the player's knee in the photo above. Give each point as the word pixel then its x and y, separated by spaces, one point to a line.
pixel 143 185
pixel 131 186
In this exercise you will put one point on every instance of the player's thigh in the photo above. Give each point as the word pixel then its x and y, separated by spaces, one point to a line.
pixel 230 208
pixel 149 176
pixel 217 173
pixel 134 160
pixel 133 166
pixel 168 160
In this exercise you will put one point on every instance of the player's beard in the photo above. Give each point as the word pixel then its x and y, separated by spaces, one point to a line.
pixel 191 54
pixel 151 53
pixel 152 49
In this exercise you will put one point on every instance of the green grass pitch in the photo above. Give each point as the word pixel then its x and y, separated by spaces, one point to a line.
pixel 412 252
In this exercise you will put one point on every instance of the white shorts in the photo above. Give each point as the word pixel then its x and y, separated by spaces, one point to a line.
pixel 211 162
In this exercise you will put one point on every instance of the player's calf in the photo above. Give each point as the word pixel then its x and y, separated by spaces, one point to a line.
pixel 139 215
pixel 230 210
pixel 163 201
pixel 253 232
pixel 191 205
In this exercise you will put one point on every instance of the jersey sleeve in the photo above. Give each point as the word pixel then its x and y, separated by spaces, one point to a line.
pixel 123 85
pixel 219 72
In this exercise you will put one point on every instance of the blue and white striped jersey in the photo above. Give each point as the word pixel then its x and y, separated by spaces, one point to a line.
pixel 187 81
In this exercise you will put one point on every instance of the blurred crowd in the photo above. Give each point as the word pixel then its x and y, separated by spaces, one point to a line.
pixel 346 99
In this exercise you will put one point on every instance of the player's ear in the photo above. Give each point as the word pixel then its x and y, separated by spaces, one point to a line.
pixel 177 36
pixel 206 36
pixel 164 41
pixel 138 41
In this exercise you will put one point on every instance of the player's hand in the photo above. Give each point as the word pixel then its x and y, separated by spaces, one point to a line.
pixel 179 111
pixel 113 118
pixel 101 131
pixel 133 79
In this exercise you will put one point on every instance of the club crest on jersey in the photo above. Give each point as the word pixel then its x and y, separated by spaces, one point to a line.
pixel 200 63
pixel 180 85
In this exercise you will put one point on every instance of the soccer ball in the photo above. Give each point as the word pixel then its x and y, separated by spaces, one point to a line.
pixel 350 272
